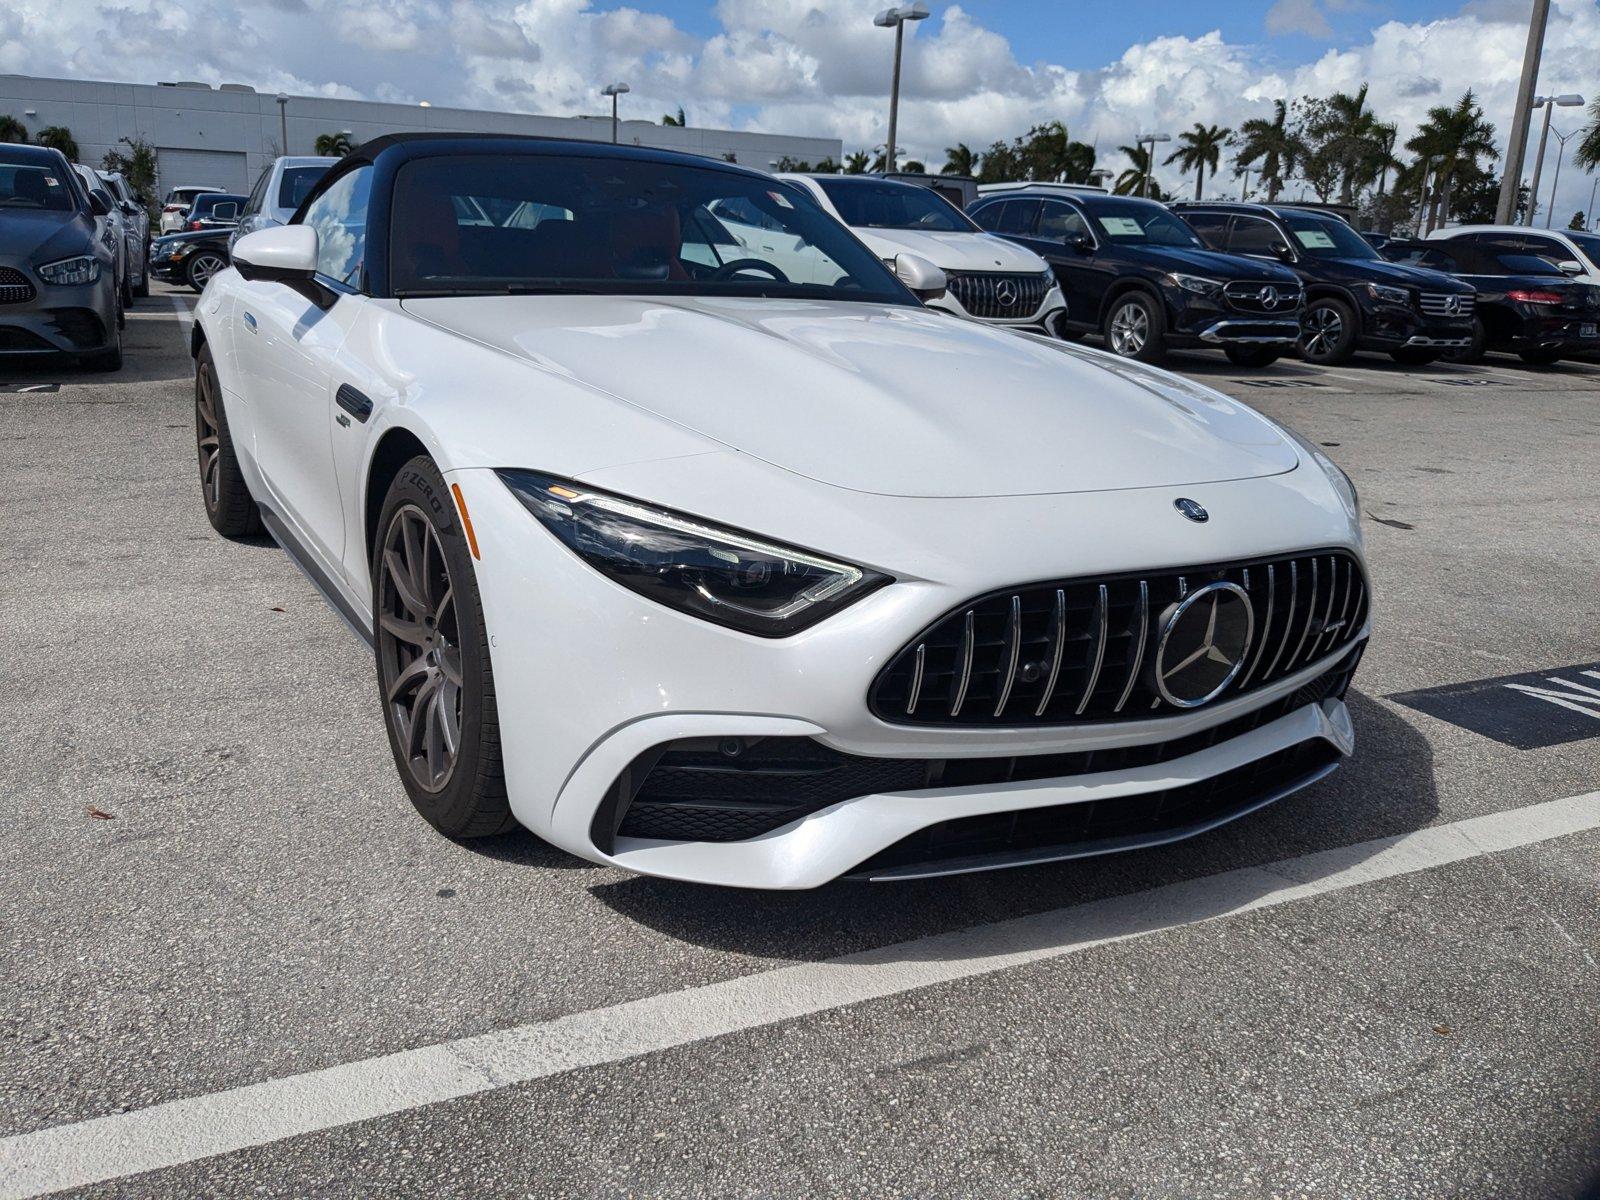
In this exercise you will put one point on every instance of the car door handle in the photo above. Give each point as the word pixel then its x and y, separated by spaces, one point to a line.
pixel 353 402
pixel 250 322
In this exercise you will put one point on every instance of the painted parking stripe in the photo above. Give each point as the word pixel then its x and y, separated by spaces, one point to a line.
pixel 183 1131
pixel 185 314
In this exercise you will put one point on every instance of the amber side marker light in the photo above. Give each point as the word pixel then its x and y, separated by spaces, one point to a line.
pixel 466 520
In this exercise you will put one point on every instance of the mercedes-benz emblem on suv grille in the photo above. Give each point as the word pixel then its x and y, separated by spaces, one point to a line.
pixel 1205 639
pixel 1006 292
pixel 1192 509
pixel 1452 305
pixel 1268 296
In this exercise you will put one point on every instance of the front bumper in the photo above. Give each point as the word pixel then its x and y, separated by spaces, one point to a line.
pixel 1196 320
pixel 1391 326
pixel 624 676
pixel 77 319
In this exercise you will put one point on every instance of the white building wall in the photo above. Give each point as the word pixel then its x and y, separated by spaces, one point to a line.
pixel 185 118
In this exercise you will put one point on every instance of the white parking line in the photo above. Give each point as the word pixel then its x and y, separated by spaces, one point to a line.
pixel 185 313
pixel 183 1131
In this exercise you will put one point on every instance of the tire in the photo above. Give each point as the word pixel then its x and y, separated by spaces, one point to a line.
pixel 1328 332
pixel 202 265
pixel 229 508
pixel 1474 350
pixel 1252 356
pixel 143 290
pixel 1540 358
pixel 435 681
pixel 1415 356
pixel 1135 327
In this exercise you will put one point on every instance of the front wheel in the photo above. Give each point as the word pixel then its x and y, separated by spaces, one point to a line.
pixel 1327 332
pixel 201 267
pixel 1415 356
pixel 229 507
pixel 1136 328
pixel 434 675
pixel 1252 356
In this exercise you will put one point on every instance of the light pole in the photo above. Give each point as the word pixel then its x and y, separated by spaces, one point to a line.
pixel 614 90
pixel 1149 163
pixel 1594 222
pixel 1101 176
pixel 1555 182
pixel 1511 181
pixel 283 120
pixel 896 18
pixel 1569 100
pixel 1244 187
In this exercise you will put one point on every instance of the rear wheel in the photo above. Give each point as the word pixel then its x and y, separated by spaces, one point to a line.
pixel 434 675
pixel 202 265
pixel 229 507
pixel 143 290
pixel 1327 332
pixel 1416 356
pixel 1252 356
pixel 1540 358
pixel 1473 351
pixel 1135 327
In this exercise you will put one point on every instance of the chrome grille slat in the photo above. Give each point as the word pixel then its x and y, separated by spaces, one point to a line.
pixel 1079 651
pixel 1243 295
pixel 1436 304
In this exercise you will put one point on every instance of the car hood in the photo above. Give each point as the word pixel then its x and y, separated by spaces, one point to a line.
pixel 1381 270
pixel 41 237
pixel 960 251
pixel 892 400
pixel 1211 263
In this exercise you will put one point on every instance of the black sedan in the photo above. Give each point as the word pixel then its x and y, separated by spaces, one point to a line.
pixel 1526 305
pixel 191 258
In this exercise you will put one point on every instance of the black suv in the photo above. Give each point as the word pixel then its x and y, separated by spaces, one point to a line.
pixel 1132 271
pixel 1526 304
pixel 1355 300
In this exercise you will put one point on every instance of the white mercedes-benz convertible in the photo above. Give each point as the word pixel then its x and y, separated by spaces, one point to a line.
pixel 714 573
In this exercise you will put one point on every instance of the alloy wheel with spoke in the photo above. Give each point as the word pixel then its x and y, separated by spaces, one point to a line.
pixel 1325 328
pixel 419 648
pixel 209 436
pixel 203 268
pixel 1130 328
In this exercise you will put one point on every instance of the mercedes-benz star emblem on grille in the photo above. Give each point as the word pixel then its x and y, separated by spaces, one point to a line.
pixel 1268 296
pixel 1205 640
pixel 1192 509
pixel 1452 305
pixel 1006 292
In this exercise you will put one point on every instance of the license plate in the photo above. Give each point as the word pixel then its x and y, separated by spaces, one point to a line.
pixel 1589 330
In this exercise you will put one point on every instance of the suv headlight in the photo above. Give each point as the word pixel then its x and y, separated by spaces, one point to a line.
pixel 718 574
pixel 84 268
pixel 1198 284
pixel 1388 295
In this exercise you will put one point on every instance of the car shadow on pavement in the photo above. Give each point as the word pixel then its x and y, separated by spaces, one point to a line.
pixel 1387 788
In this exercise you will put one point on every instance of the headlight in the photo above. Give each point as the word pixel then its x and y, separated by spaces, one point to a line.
pixel 1196 283
pixel 83 269
pixel 1388 295
pixel 720 575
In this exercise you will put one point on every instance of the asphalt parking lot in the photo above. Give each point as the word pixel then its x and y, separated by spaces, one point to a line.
pixel 237 963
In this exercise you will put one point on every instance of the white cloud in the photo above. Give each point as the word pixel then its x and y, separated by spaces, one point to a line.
pixel 1298 16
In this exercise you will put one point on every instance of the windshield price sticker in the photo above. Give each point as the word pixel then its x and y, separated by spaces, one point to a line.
pixel 780 200
pixel 1314 239
pixel 1121 226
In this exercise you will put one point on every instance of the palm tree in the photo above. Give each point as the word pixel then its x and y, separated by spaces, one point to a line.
pixel 1132 181
pixel 913 166
pixel 59 137
pixel 1348 134
pixel 669 119
pixel 857 163
pixel 11 129
pixel 1199 148
pixel 334 145
pixel 826 166
pixel 1381 158
pixel 1454 138
pixel 1588 156
pixel 960 159
pixel 1272 143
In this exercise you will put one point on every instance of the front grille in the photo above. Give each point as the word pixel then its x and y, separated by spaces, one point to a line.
pixel 1100 826
pixel 1083 651
pixel 998 296
pixel 1246 296
pixel 20 341
pixel 15 287
pixel 1437 304
pixel 701 790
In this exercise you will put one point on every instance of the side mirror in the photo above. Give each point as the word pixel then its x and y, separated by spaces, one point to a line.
pixel 98 205
pixel 1571 266
pixel 924 279
pixel 285 254
pixel 1281 250
pixel 1081 242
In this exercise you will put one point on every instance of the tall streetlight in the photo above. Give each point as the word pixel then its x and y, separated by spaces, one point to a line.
pixel 283 120
pixel 614 90
pixel 1550 211
pixel 1149 163
pixel 1244 188
pixel 1594 222
pixel 896 18
pixel 1568 100
pixel 1516 147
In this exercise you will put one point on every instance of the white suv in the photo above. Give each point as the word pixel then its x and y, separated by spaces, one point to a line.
pixel 989 279
pixel 279 191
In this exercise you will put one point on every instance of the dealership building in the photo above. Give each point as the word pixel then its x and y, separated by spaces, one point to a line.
pixel 223 136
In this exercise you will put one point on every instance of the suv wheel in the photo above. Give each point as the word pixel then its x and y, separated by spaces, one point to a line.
pixel 1135 327
pixel 1252 356
pixel 202 265
pixel 1327 332
pixel 432 648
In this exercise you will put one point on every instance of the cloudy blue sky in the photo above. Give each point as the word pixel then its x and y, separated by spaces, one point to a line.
pixel 976 71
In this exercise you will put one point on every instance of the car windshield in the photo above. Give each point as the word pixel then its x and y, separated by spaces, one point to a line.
pixel 480 224
pixel 33 185
pixel 1131 223
pixel 296 184
pixel 1327 237
pixel 873 205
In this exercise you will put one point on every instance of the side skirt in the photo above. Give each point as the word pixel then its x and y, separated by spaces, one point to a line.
pixel 302 558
